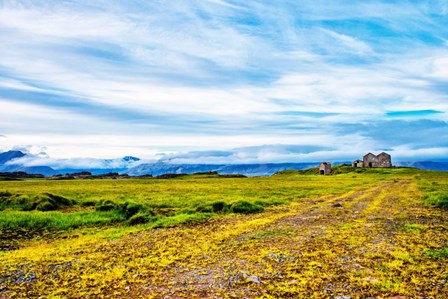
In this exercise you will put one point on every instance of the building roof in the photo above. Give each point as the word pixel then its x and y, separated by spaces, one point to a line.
pixel 384 154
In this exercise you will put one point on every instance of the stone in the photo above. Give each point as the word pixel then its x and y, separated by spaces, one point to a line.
pixel 254 279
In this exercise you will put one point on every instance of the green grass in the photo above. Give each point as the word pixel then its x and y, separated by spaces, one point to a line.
pixel 182 199
pixel 56 220
pixel 438 253
pixel 434 184
pixel 439 199
pixel 178 200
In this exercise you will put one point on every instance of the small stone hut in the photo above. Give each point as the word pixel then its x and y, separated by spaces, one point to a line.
pixel 358 163
pixel 372 161
pixel 325 168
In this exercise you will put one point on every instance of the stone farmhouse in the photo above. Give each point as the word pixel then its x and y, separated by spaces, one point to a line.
pixel 374 161
pixel 325 168
pixel 358 163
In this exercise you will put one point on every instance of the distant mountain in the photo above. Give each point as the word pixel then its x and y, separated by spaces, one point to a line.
pixel 130 159
pixel 10 155
pixel 11 161
pixel 246 169
pixel 94 171
pixel 429 165
pixel 45 170
pixel 8 163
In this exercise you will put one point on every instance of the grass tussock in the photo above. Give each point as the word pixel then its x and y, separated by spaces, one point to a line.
pixel 41 202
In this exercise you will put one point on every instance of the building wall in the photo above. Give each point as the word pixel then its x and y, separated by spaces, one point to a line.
pixel 384 160
pixel 325 168
pixel 372 161
pixel 358 163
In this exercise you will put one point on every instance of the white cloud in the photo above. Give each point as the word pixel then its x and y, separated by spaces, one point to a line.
pixel 353 44
pixel 170 76
pixel 440 68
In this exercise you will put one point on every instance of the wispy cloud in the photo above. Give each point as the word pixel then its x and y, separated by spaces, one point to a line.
pixel 413 113
pixel 187 76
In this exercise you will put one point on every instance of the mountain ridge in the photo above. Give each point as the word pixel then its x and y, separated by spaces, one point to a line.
pixel 10 162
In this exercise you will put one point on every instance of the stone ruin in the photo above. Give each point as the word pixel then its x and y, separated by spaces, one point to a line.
pixel 370 160
pixel 325 168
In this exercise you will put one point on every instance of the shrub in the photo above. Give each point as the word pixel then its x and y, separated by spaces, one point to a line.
pixel 244 207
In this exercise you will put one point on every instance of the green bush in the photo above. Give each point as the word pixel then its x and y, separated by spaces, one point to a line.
pixel 244 207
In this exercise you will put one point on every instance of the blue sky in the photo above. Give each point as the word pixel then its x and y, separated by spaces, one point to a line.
pixel 262 81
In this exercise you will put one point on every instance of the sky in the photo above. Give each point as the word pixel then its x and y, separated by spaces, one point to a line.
pixel 224 81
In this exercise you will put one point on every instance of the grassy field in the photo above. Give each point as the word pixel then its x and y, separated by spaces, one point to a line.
pixel 371 233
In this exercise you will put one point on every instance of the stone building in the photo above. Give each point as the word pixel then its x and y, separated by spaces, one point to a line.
pixel 325 168
pixel 372 161
pixel 358 163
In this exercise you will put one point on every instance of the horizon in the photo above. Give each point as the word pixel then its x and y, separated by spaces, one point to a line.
pixel 225 81
pixel 28 159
